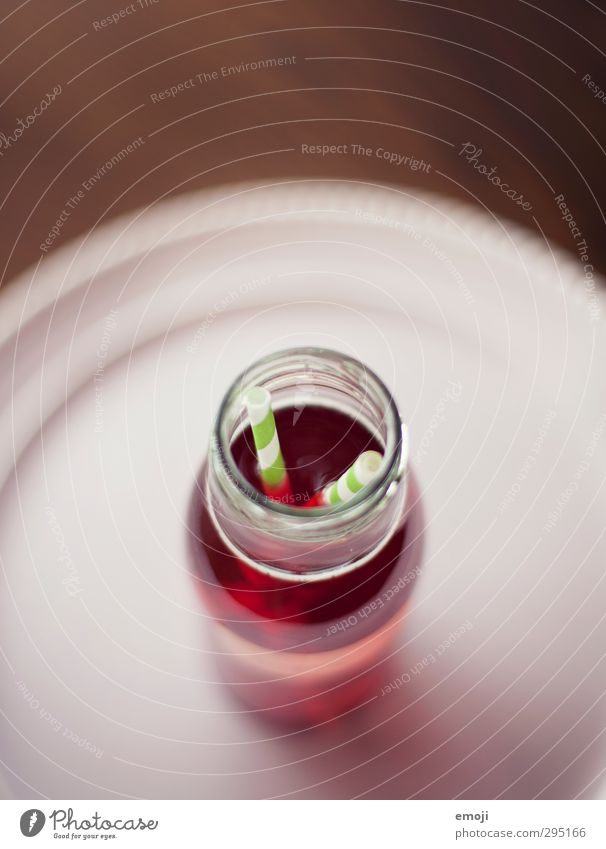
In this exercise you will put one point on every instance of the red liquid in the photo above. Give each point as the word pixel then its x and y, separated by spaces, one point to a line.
pixel 318 445
pixel 306 619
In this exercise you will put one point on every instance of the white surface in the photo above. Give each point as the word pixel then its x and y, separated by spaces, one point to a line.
pixel 484 336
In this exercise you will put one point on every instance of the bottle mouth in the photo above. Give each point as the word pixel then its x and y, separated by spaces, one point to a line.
pixel 331 379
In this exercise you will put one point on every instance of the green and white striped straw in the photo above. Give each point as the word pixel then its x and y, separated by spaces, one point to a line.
pixel 265 436
pixel 353 480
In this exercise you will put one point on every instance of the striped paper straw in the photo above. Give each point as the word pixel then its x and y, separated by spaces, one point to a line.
pixel 352 481
pixel 265 436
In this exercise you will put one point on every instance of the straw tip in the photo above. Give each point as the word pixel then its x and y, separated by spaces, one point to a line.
pixel 256 398
pixel 368 462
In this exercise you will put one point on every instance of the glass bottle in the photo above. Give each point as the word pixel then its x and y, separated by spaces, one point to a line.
pixel 307 603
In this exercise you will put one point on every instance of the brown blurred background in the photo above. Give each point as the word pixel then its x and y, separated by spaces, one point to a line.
pixel 417 79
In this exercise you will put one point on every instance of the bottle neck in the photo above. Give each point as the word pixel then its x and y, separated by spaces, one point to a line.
pixel 297 544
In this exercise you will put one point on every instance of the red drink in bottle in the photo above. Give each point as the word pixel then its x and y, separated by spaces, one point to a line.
pixel 307 601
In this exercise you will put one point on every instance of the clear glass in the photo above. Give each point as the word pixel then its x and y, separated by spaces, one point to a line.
pixel 305 601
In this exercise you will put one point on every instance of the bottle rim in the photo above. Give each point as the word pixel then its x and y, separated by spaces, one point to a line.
pixel 395 448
